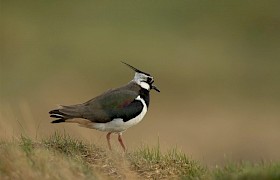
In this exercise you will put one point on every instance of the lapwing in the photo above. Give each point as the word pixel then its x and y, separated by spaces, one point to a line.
pixel 115 110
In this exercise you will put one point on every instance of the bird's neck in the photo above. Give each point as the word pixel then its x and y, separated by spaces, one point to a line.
pixel 145 94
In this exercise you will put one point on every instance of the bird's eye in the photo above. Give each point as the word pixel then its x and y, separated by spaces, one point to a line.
pixel 150 80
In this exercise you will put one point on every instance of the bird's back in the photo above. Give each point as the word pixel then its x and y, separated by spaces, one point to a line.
pixel 114 103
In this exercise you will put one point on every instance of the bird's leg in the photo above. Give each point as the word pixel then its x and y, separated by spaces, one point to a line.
pixel 108 140
pixel 121 141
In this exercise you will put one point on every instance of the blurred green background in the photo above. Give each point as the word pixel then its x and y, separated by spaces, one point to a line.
pixel 217 64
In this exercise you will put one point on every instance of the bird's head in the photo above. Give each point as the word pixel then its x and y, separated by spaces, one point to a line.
pixel 145 80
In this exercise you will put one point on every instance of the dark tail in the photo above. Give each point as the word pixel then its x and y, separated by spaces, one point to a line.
pixel 58 121
pixel 65 112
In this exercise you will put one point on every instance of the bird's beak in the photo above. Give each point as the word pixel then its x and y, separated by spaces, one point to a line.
pixel 155 88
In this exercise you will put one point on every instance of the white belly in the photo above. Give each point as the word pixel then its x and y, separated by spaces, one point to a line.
pixel 118 125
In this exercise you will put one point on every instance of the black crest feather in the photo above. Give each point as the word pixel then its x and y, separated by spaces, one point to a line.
pixel 135 69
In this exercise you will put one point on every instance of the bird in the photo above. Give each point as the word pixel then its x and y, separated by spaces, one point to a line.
pixel 113 111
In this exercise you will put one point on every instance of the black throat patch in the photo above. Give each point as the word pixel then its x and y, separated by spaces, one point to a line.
pixel 145 94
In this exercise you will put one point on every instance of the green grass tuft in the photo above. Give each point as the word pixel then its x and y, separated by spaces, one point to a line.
pixel 151 163
pixel 248 170
pixel 26 144
pixel 67 145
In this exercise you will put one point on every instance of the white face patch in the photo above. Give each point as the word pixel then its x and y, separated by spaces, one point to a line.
pixel 145 85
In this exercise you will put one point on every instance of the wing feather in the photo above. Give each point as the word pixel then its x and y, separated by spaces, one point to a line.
pixel 116 104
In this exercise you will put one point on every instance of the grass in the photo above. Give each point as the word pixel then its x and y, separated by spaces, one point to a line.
pixel 27 159
pixel 62 157
pixel 247 170
pixel 151 163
